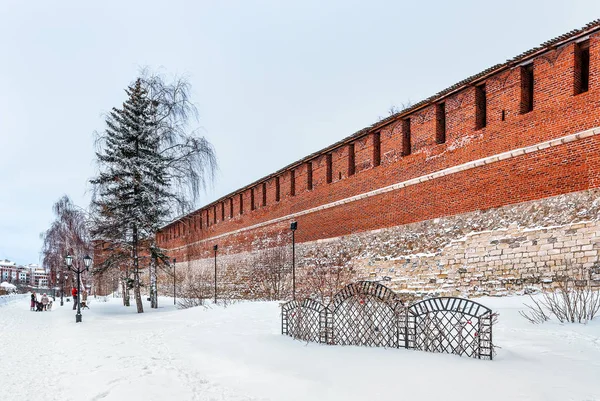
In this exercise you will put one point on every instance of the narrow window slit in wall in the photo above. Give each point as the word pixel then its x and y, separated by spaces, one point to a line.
pixel 264 194
pixel 252 206
pixel 223 211
pixel 351 162
pixel 440 119
pixel 527 82
pixel 241 203
pixel 376 149
pixel 503 117
pixel 309 180
pixel 329 161
pixel 406 145
pixel 231 208
pixel 215 214
pixel 277 189
pixel 293 182
pixel 480 107
pixel 582 67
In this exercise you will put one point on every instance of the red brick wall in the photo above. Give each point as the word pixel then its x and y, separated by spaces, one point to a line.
pixel 566 168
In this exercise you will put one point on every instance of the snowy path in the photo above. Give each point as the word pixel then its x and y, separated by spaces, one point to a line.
pixel 237 354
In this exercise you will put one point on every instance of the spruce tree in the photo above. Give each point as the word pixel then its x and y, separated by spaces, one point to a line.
pixel 132 186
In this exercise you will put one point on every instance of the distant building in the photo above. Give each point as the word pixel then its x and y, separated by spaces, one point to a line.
pixel 12 273
pixel 6 269
pixel 38 276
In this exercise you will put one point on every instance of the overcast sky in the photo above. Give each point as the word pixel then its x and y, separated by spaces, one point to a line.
pixel 273 80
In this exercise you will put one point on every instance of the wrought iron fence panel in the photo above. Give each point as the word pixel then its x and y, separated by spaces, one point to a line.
pixel 370 314
pixel 366 313
pixel 451 325
pixel 305 320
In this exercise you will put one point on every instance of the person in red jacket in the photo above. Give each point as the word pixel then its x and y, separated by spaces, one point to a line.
pixel 74 294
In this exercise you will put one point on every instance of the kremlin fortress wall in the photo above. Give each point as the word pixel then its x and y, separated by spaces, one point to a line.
pixel 487 187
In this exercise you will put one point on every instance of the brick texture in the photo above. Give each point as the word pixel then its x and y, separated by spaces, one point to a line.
pixel 378 158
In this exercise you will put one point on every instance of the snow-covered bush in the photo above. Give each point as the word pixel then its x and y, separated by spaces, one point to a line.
pixel 574 301
pixel 324 272
pixel 270 276
pixel 195 287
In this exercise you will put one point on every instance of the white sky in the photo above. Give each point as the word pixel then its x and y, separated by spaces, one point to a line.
pixel 273 80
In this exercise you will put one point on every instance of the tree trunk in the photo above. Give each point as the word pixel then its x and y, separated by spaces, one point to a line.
pixel 153 294
pixel 136 262
pixel 136 273
pixel 125 286
pixel 137 292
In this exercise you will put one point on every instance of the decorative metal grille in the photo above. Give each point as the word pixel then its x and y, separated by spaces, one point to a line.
pixel 366 313
pixel 451 325
pixel 370 314
pixel 306 320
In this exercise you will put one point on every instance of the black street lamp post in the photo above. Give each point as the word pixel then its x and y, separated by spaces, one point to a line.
pixel 62 287
pixel 87 261
pixel 174 296
pixel 293 227
pixel 215 247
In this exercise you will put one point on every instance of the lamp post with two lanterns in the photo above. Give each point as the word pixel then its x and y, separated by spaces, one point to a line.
pixel 87 261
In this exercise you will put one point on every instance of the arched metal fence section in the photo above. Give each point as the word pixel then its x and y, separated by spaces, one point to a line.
pixel 451 325
pixel 366 313
pixel 370 314
pixel 306 320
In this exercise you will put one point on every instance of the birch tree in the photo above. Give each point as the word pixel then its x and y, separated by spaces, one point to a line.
pixel 68 234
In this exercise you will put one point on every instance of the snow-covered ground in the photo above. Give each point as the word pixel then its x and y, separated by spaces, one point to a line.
pixel 237 353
